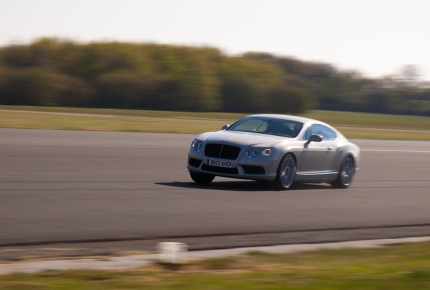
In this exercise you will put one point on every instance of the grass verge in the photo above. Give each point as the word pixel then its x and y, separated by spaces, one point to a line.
pixel 352 125
pixel 395 267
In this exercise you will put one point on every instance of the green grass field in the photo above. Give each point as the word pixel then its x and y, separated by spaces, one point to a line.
pixel 352 125
pixel 394 267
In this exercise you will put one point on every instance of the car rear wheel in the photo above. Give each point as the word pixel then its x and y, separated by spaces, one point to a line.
pixel 346 173
pixel 286 172
pixel 202 177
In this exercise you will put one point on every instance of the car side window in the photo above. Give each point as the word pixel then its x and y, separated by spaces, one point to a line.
pixel 325 132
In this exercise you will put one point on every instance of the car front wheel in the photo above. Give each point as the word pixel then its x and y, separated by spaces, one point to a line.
pixel 202 177
pixel 286 172
pixel 346 173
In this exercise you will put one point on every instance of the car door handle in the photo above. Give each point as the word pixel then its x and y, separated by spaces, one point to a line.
pixel 329 148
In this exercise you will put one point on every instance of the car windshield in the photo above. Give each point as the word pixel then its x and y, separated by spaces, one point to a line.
pixel 270 126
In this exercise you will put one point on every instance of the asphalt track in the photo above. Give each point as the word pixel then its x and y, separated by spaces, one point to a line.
pixel 70 186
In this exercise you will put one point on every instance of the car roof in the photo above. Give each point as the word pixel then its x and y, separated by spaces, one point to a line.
pixel 287 117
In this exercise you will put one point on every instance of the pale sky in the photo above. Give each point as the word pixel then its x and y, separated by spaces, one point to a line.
pixel 375 37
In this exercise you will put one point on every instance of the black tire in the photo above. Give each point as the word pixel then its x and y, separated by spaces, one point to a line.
pixel 286 172
pixel 203 178
pixel 346 173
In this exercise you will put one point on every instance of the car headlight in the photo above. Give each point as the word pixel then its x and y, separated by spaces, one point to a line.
pixel 197 145
pixel 266 152
pixel 252 153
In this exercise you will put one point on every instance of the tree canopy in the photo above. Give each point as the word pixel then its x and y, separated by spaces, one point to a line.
pixel 166 77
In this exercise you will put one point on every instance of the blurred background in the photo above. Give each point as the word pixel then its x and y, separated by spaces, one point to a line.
pixel 194 56
pixel 160 66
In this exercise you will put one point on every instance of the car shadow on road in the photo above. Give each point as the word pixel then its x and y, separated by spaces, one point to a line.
pixel 247 185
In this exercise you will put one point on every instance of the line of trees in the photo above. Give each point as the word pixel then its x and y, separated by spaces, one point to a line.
pixel 166 77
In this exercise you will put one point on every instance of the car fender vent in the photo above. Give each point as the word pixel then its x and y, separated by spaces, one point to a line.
pixel 194 162
pixel 249 169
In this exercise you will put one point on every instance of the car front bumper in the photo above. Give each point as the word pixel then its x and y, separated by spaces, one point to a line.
pixel 242 169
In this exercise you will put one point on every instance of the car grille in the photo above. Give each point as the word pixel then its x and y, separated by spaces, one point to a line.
pixel 217 169
pixel 222 151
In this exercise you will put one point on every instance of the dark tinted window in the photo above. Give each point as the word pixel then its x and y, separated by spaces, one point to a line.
pixel 270 126
pixel 327 133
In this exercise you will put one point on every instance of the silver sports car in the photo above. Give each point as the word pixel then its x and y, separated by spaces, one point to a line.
pixel 278 148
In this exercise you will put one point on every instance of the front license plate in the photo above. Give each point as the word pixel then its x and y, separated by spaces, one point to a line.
pixel 219 163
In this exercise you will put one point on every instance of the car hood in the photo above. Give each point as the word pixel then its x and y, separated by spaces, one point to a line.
pixel 241 138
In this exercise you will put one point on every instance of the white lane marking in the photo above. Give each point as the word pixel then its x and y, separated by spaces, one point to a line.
pixel 388 150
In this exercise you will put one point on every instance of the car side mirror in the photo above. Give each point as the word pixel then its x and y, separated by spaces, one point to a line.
pixel 225 126
pixel 314 138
